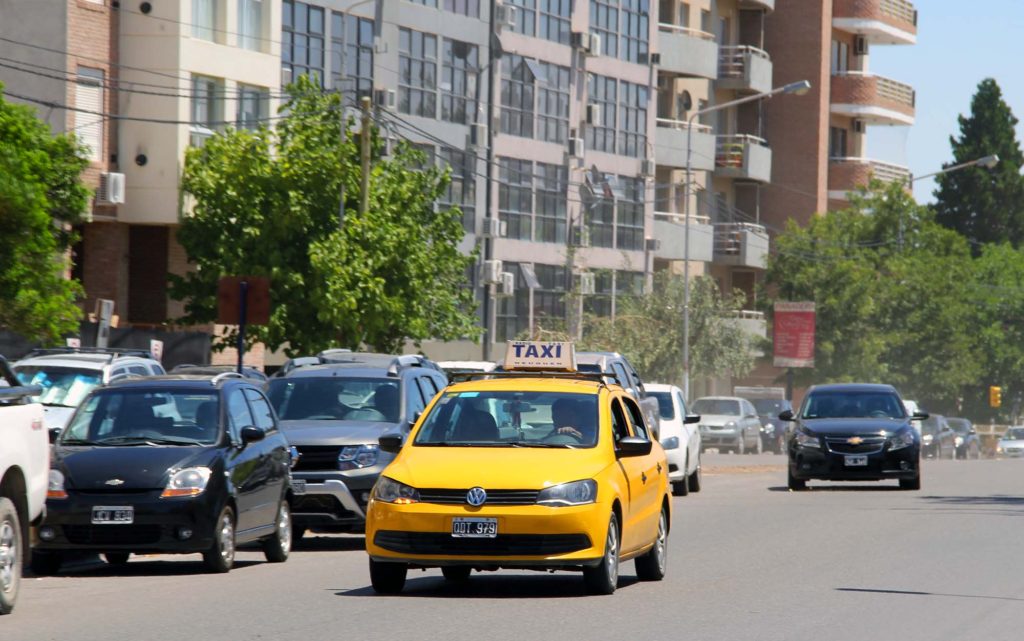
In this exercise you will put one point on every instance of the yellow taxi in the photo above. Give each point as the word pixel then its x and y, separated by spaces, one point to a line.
pixel 538 467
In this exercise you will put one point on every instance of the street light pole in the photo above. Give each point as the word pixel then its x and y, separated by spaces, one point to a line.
pixel 796 88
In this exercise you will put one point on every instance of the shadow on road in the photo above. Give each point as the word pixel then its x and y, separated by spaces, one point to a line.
pixel 330 543
pixel 839 488
pixel 494 586
pixel 991 504
pixel 140 566
pixel 913 593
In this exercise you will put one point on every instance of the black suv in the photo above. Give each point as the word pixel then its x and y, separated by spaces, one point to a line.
pixel 334 411
pixel 169 464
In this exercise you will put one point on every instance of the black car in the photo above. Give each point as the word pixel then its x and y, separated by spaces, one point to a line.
pixel 773 431
pixel 968 445
pixel 169 464
pixel 938 440
pixel 853 432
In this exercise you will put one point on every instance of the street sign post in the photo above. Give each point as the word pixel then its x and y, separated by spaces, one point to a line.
pixel 104 315
pixel 244 300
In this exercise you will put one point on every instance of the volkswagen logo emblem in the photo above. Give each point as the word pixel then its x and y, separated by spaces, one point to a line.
pixel 476 496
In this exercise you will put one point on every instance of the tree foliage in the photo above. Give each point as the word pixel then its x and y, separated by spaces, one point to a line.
pixel 41 195
pixel 266 202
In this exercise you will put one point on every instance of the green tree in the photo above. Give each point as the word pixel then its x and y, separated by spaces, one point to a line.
pixel 266 203
pixel 982 204
pixel 41 195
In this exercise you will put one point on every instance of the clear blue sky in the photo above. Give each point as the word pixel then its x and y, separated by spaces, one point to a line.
pixel 959 43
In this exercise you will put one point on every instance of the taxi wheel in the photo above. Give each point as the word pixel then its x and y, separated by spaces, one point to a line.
pixel 604 578
pixel 10 555
pixel 652 566
pixel 277 547
pixel 221 556
pixel 387 578
pixel 116 558
pixel 456 573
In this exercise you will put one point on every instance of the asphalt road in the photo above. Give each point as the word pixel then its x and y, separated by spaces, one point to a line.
pixel 748 560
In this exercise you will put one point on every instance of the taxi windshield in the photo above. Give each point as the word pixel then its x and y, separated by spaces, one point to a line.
pixel 62 386
pixel 511 419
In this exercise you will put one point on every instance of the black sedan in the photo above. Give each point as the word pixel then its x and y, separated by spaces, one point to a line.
pixel 173 464
pixel 853 432
pixel 968 445
pixel 938 440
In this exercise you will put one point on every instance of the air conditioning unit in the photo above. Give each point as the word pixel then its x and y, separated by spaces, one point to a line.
pixel 588 43
pixel 384 98
pixel 647 167
pixel 652 244
pixel 655 58
pixel 477 135
pixel 581 237
pixel 593 114
pixel 505 15
pixel 860 46
pixel 507 287
pixel 859 126
pixel 491 272
pixel 587 285
pixel 111 189
pixel 576 147
pixel 595 46
pixel 495 228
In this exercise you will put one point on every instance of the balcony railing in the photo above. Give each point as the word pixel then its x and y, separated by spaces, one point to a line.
pixel 680 219
pixel 883 171
pixel 687 52
pixel 683 124
pixel 743 156
pixel 900 10
pixel 670 231
pixel 730 150
pixel 880 21
pixel 744 244
pixel 894 102
pixel 732 60
pixel 685 31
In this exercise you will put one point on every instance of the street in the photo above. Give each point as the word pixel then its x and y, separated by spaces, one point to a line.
pixel 748 560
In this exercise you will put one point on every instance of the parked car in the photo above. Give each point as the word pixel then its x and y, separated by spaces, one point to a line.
pixel 938 440
pixel 626 376
pixel 334 412
pixel 1011 443
pixel 68 374
pixel 853 432
pixel 968 445
pixel 729 423
pixel 169 464
pixel 680 437
pixel 773 431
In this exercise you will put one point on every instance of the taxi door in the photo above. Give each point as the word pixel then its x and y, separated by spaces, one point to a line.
pixel 653 476
pixel 633 467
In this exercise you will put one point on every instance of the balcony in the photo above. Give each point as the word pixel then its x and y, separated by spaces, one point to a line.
pixel 752 323
pixel 744 69
pixel 879 21
pixel 846 174
pixel 767 5
pixel 670 231
pixel 874 99
pixel 687 52
pixel 741 244
pixel 670 145
pixel 743 157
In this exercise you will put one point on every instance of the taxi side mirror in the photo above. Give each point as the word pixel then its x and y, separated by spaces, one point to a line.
pixel 691 418
pixel 633 446
pixel 786 415
pixel 391 443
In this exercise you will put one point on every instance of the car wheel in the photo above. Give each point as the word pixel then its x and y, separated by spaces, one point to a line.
pixel 456 573
pixel 759 448
pixel 679 488
pixel 795 484
pixel 604 578
pixel 46 563
pixel 10 555
pixel 116 558
pixel 693 481
pixel 387 578
pixel 221 555
pixel 741 445
pixel 277 547
pixel 911 484
pixel 652 565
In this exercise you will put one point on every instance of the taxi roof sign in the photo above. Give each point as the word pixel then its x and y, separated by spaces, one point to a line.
pixel 550 356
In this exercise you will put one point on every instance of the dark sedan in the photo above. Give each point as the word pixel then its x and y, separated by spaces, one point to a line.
pixel 853 432
pixel 938 440
pixel 968 445
pixel 175 464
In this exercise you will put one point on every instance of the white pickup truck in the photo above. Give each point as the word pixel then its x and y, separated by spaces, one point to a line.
pixel 24 477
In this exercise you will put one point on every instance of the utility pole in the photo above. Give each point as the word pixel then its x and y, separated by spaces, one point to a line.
pixel 364 154
pixel 488 308
pixel 343 122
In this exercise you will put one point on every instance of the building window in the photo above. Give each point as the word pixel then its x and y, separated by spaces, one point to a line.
pixel 551 211
pixel 425 3
pixel 515 197
pixel 705 21
pixel 549 298
pixel 352 51
pixel 250 24
pixel 601 223
pixel 633 120
pixel 207 109
pixel 840 57
pixel 600 303
pixel 469 8
pixel 204 19
pixel 417 73
pixel 837 142
pixel 555 20
pixel 629 283
pixel 461 190
pixel 553 104
pixel 601 135
pixel 684 15
pixel 635 30
pixel 302 42
pixel 517 87
pixel 629 230
pixel 89 97
pixel 253 107
pixel 458 81
pixel 604 22
pixel 526 16
pixel 512 311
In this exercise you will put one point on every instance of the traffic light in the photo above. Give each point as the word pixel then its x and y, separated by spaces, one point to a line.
pixel 995 396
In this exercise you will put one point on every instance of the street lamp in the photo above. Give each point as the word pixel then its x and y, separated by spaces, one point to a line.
pixel 796 88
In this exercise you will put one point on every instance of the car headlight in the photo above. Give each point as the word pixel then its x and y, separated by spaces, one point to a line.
pixel 958 441
pixel 927 438
pixel 55 488
pixel 731 424
pixel 900 440
pixel 391 491
pixel 354 457
pixel 671 443
pixel 575 493
pixel 190 481
pixel 769 428
pixel 804 439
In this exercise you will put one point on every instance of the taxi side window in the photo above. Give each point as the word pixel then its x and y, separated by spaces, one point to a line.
pixel 620 426
pixel 636 418
pixel 239 415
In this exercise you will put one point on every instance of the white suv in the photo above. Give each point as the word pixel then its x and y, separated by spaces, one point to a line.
pixel 68 374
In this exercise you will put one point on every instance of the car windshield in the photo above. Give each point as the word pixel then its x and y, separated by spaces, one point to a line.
pixel 511 419
pixel 843 404
pixel 959 425
pixel 770 406
pixel 1014 434
pixel 665 408
pixel 62 386
pixel 720 406
pixel 146 417
pixel 337 398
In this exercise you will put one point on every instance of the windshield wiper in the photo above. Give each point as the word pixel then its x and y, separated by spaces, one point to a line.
pixel 145 440
pixel 77 441
pixel 467 444
pixel 566 446
pixel 57 405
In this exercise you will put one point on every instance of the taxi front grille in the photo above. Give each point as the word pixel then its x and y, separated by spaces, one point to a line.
pixel 501 545
pixel 494 497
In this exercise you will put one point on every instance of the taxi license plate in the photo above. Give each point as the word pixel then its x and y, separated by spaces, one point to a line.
pixel 113 515
pixel 478 528
pixel 856 461
pixel 298 486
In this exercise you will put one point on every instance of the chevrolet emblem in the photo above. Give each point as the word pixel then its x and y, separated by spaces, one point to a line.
pixel 115 482
pixel 855 440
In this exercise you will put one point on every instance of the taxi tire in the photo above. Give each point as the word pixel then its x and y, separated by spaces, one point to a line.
pixel 456 573
pixel 387 578
pixel 652 565
pixel 116 558
pixel 11 538
pixel 604 578
pixel 46 563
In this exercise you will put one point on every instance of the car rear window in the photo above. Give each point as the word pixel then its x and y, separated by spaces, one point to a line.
pixel 719 406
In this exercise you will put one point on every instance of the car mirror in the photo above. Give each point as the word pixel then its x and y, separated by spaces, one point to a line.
pixel 972 431
pixel 786 415
pixel 252 434
pixel 415 417
pixel 54 434
pixel 391 443
pixel 920 416
pixel 633 446
pixel 691 418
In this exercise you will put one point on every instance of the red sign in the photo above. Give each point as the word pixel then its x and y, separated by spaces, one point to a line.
pixel 794 334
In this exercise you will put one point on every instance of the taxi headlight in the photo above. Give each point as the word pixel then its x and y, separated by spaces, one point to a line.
pixel 55 488
pixel 391 491
pixel 901 440
pixel 671 443
pixel 803 439
pixel 190 481
pixel 575 493
pixel 358 456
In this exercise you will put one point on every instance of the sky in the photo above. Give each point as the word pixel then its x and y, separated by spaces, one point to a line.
pixel 959 43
